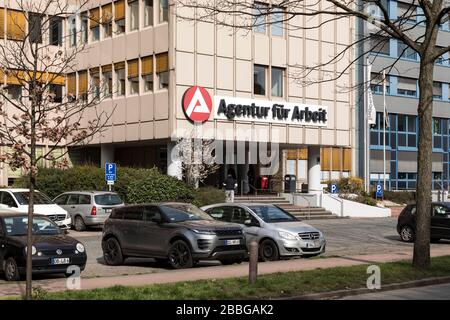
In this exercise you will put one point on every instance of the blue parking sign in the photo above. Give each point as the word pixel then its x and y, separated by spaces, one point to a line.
pixel 110 171
pixel 334 188
pixel 379 193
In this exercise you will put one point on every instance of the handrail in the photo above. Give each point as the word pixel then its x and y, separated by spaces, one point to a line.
pixel 341 201
pixel 309 203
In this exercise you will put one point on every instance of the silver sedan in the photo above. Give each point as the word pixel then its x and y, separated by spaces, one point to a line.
pixel 278 233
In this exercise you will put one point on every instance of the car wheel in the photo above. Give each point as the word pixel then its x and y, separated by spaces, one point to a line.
pixel 11 270
pixel 180 256
pixel 407 234
pixel 112 252
pixel 79 224
pixel 268 251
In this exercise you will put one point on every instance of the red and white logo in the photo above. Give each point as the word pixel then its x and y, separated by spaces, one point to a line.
pixel 197 104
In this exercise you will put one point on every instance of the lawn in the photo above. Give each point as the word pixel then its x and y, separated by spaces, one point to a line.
pixel 268 286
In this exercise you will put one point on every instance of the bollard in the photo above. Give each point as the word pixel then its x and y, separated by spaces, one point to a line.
pixel 253 265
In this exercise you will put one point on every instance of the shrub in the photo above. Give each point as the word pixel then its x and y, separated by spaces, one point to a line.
pixel 208 195
pixel 133 185
pixel 349 185
pixel 403 197
pixel 364 199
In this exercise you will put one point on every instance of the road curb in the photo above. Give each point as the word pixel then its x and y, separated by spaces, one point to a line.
pixel 389 287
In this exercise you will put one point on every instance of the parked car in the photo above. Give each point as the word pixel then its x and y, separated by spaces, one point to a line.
pixel 53 251
pixel 88 208
pixel 178 233
pixel 440 222
pixel 16 200
pixel 278 233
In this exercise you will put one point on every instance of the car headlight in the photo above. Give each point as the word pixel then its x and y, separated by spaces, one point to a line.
pixel 80 247
pixel 287 235
pixel 33 250
pixel 203 231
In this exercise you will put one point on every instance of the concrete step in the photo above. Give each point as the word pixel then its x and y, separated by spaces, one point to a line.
pixel 277 202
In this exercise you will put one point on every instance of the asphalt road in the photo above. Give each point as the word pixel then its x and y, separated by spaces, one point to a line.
pixel 344 237
pixel 435 292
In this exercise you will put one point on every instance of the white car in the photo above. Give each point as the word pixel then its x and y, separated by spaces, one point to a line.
pixel 16 200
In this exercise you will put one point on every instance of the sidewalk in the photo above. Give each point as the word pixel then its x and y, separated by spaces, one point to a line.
pixel 217 272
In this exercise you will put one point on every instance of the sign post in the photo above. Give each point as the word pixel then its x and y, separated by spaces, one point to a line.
pixel 110 174
pixel 379 192
pixel 333 188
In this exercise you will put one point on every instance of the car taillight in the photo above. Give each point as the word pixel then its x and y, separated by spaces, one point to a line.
pixel 94 211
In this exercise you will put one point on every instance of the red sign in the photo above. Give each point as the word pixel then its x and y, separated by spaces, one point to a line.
pixel 197 104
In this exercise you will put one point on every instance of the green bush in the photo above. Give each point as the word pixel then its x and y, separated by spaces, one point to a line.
pixel 364 199
pixel 348 185
pixel 403 197
pixel 133 185
pixel 208 195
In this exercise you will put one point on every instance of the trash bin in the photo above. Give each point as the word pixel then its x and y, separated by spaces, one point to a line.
pixel 304 188
pixel 264 182
pixel 290 182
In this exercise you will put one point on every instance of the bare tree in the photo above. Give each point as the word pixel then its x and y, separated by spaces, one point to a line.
pixel 418 30
pixel 197 157
pixel 35 60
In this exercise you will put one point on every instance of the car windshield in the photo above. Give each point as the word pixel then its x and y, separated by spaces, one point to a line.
pixel 108 199
pixel 39 198
pixel 17 226
pixel 179 212
pixel 272 214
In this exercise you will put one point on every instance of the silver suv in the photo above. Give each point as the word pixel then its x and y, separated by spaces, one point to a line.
pixel 278 233
pixel 88 208
pixel 176 233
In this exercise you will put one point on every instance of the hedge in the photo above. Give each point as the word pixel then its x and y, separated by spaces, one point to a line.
pixel 133 185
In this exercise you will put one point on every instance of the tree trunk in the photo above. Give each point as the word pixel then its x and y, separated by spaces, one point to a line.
pixel 421 257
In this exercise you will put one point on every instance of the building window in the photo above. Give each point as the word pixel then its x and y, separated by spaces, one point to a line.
pixel 71 86
pixel 83 85
pixel 107 18
pixel 119 16
pixel 380 45
pixel 73 31
pixel 15 25
pixel 437 126
pixel 134 14
pixel 148 13
pixel 147 73
pixel 163 11
pixel 259 17
pixel 35 27
pixel 277 21
pixel 406 12
pixel 95 82
pixel 133 76
pixel 376 83
pixel 94 19
pixel 406 52
pixel 14 91
pixel 407 87
pixel 406 180
pixel 84 28
pixel 407 131
pixel 56 91
pixel 107 80
pixel 162 70
pixel 119 69
pixel 56 31
pixel 437 90
pixel 277 82
pixel 259 79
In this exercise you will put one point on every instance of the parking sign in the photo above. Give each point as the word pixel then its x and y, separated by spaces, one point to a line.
pixel 110 172
pixel 333 188
pixel 379 193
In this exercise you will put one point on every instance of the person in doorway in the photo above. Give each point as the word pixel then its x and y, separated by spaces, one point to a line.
pixel 230 184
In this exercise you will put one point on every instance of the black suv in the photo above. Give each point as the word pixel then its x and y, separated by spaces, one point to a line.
pixel 440 222
pixel 178 233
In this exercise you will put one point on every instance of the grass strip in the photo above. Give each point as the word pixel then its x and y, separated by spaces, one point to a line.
pixel 275 285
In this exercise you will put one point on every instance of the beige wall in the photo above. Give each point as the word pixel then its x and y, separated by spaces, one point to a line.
pixel 212 56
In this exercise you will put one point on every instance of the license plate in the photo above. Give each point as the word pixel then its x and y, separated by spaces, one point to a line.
pixel 232 242
pixel 60 261
pixel 314 244
pixel 108 210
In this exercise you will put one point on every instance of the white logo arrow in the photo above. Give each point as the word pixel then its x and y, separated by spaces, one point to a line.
pixel 197 104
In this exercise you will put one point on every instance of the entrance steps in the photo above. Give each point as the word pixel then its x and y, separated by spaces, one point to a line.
pixel 297 211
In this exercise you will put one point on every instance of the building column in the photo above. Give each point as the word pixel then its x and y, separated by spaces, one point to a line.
pixel 314 174
pixel 174 167
pixel 106 154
